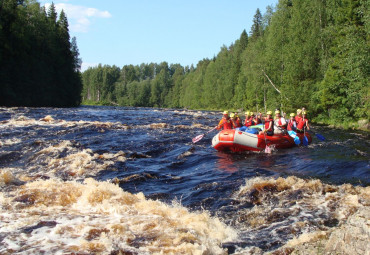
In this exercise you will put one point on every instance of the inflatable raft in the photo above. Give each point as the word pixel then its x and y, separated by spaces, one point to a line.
pixel 237 141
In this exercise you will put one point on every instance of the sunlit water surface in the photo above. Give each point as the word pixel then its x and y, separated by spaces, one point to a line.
pixel 109 180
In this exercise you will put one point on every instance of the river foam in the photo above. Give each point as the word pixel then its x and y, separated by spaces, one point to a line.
pixel 99 217
pixel 52 202
pixel 294 209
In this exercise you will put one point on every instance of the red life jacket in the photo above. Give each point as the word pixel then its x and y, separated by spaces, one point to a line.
pixel 248 122
pixel 226 124
pixel 297 118
pixel 292 125
pixel 237 123
pixel 267 123
pixel 302 123
pixel 281 123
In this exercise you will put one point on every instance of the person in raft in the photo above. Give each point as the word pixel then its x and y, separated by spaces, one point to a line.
pixel 280 123
pixel 248 119
pixel 269 125
pixel 259 118
pixel 255 119
pixel 235 120
pixel 225 122
pixel 302 125
pixel 292 124
pixel 298 116
pixel 238 119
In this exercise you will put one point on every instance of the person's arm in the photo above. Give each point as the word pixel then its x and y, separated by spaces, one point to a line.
pixel 308 127
pixel 233 123
pixel 220 124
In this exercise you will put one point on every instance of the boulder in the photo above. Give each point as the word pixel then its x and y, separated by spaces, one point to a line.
pixel 364 124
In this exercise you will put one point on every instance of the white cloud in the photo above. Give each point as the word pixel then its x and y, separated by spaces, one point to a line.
pixel 79 17
pixel 91 12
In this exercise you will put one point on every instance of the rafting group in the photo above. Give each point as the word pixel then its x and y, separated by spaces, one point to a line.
pixel 260 133
pixel 297 122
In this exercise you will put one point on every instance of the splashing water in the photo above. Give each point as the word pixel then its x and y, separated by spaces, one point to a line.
pixel 130 180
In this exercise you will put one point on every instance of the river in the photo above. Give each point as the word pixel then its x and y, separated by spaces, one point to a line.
pixel 106 180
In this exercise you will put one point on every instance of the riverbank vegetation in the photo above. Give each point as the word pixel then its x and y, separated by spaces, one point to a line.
pixel 300 53
pixel 39 62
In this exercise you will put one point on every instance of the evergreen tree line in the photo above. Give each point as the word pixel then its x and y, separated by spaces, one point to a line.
pixel 312 54
pixel 39 63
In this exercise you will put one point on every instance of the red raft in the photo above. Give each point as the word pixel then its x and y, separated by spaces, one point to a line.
pixel 237 141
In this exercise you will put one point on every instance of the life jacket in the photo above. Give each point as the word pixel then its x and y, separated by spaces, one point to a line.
pixel 237 123
pixel 292 125
pixel 248 122
pixel 225 124
pixel 297 118
pixel 301 124
pixel 267 123
pixel 280 123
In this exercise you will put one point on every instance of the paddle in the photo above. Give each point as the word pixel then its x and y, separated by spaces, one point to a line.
pixel 305 139
pixel 267 148
pixel 200 137
pixel 293 134
pixel 321 137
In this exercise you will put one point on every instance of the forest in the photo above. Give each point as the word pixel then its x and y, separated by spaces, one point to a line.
pixel 312 54
pixel 39 62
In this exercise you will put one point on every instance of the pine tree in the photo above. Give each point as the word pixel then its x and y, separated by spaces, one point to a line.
pixel 257 28
pixel 243 40
pixel 52 13
pixel 63 27
pixel 76 55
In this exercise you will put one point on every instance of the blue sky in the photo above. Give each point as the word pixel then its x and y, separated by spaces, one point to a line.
pixel 120 32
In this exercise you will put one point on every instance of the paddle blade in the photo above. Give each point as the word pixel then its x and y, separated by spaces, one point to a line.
pixel 322 138
pixel 297 141
pixel 268 150
pixel 197 138
pixel 293 134
pixel 305 141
